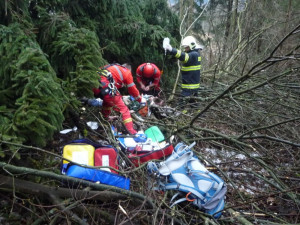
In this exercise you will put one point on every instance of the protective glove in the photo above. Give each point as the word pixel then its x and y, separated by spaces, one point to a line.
pixel 168 47
pixel 166 44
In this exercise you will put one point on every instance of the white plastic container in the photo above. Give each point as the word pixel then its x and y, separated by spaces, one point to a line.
pixel 166 42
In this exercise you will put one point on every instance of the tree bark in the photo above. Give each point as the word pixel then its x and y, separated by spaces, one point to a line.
pixel 18 171
pixel 228 25
pixel 24 186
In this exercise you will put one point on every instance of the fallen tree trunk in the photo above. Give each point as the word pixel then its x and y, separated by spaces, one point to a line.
pixel 23 186
pixel 18 171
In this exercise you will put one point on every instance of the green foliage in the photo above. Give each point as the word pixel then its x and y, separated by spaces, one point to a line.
pixel 130 30
pixel 35 110
pixel 73 52
pixel 14 11
pixel 50 55
pixel 157 12
pixel 81 47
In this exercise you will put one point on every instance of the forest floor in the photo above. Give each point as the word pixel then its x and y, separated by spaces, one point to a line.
pixel 262 188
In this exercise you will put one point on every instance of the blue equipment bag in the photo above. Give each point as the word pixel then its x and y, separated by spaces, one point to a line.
pixel 97 175
pixel 92 174
pixel 183 172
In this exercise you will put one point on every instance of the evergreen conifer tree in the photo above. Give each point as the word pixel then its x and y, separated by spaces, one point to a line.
pixel 50 51
pixel 32 97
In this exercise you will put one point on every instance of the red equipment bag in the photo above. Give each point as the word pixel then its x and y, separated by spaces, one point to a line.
pixel 106 156
pixel 138 158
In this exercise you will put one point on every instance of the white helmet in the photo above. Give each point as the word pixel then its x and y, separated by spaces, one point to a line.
pixel 190 41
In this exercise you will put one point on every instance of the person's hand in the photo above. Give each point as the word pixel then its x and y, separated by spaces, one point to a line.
pixel 147 88
pixel 168 47
pixel 143 87
pixel 166 44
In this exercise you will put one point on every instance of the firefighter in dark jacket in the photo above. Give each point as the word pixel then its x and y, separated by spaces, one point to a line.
pixel 190 70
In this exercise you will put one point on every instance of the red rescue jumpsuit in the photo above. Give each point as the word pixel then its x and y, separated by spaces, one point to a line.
pixel 122 77
pixel 146 81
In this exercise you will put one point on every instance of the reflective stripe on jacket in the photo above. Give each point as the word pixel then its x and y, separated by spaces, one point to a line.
pixel 123 77
pixel 190 69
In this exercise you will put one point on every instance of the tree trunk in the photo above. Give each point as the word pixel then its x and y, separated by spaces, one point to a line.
pixel 227 26
pixel 190 10
pixel 233 19
pixel 181 9
pixel 24 186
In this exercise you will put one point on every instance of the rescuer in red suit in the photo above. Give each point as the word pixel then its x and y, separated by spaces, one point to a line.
pixel 148 77
pixel 112 78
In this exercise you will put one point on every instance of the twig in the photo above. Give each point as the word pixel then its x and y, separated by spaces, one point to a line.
pixel 239 217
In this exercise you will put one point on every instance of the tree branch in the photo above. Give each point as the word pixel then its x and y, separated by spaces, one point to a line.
pixel 16 171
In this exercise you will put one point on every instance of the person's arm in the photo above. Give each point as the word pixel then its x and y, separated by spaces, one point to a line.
pixel 156 78
pixel 143 87
pixel 147 88
pixel 181 55
pixel 139 78
pixel 133 91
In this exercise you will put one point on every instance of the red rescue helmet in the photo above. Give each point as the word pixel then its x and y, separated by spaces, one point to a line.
pixel 148 70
